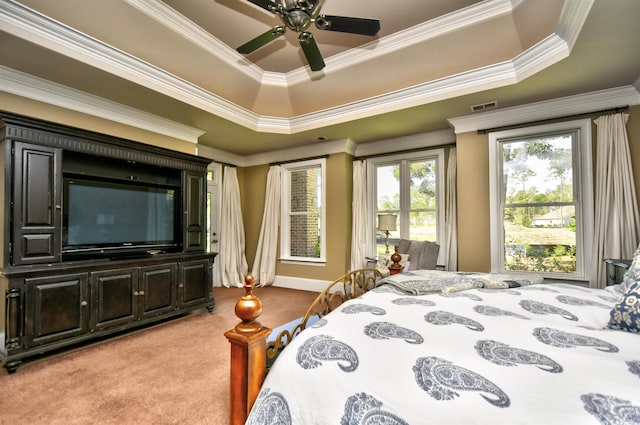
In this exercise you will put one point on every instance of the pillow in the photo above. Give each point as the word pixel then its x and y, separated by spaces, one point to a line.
pixel 625 315
pixel 634 271
pixel 424 254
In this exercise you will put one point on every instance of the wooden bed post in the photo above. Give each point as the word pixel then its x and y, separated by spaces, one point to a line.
pixel 395 268
pixel 248 355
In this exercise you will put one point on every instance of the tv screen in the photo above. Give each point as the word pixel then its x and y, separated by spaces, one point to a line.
pixel 100 214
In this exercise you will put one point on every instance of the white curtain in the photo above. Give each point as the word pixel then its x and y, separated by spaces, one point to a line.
pixel 264 265
pixel 616 209
pixel 231 261
pixel 451 214
pixel 360 231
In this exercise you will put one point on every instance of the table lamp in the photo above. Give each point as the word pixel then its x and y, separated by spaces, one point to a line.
pixel 386 224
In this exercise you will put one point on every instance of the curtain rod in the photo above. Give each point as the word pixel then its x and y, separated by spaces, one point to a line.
pixel 298 160
pixel 375 155
pixel 584 114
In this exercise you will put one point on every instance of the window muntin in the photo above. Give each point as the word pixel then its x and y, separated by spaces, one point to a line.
pixel 541 200
pixel 410 186
pixel 303 196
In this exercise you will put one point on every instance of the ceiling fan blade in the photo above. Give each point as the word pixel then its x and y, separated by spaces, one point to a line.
pixel 261 40
pixel 311 51
pixel 362 26
pixel 266 5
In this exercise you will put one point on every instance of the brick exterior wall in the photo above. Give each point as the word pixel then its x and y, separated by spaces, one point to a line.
pixel 304 228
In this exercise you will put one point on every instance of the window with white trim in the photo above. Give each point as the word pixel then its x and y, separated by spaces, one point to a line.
pixel 542 200
pixel 302 231
pixel 410 186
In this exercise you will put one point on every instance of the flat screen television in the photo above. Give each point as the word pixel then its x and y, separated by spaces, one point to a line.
pixel 107 218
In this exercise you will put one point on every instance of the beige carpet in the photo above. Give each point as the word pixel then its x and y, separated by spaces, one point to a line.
pixel 174 373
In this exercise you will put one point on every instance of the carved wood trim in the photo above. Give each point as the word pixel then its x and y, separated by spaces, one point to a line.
pixel 45 133
pixel 13 319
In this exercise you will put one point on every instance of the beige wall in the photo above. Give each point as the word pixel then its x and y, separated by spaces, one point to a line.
pixel 474 243
pixel 633 131
pixel 35 109
pixel 252 182
pixel 473 202
pixel 473 188
pixel 338 218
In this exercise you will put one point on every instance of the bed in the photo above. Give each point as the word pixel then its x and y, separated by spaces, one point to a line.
pixel 492 349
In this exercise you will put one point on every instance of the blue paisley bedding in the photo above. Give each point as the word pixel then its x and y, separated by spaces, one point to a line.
pixel 537 354
pixel 423 282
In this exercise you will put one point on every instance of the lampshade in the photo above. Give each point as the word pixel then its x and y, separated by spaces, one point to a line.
pixel 387 222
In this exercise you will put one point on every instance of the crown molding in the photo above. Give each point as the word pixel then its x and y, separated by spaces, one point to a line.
pixel 572 18
pixel 170 18
pixel 301 152
pixel 451 22
pixel 454 21
pixel 19 20
pixel 32 26
pixel 542 55
pixel 404 143
pixel 291 154
pixel 28 86
pixel 565 106
pixel 220 156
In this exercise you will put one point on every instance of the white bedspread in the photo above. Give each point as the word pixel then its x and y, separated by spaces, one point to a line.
pixel 539 354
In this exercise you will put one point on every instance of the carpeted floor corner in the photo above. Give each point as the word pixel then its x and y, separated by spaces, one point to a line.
pixel 173 373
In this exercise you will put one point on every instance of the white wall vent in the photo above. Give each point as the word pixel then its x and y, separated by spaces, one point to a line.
pixel 484 106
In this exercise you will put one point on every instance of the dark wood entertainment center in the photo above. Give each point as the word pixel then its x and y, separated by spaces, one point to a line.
pixel 56 295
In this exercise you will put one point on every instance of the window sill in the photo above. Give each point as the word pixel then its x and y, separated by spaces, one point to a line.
pixel 304 262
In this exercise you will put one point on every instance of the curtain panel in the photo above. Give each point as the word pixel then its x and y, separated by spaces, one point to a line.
pixel 264 265
pixel 616 209
pixel 360 231
pixel 231 261
pixel 451 214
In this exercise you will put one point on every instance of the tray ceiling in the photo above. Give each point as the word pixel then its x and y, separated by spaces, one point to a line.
pixel 432 60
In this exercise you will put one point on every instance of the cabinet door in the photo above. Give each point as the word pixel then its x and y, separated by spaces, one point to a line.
pixel 195 285
pixel 56 308
pixel 37 204
pixel 157 290
pixel 194 237
pixel 115 297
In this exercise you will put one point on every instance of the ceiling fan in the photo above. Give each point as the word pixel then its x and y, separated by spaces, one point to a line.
pixel 298 15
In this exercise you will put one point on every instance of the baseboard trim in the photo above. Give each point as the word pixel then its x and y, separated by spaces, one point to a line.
pixel 314 285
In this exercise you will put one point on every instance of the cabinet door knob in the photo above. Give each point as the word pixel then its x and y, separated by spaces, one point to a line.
pixel 141 293
pixel 181 285
pixel 84 303
pixel 136 293
pixel 58 207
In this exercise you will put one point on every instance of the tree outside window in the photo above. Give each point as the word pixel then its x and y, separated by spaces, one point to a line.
pixel 541 200
pixel 410 186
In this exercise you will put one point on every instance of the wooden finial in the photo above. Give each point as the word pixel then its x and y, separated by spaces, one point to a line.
pixel 395 257
pixel 248 308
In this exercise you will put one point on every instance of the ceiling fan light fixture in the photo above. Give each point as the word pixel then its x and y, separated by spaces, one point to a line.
pixel 297 15
pixel 298 20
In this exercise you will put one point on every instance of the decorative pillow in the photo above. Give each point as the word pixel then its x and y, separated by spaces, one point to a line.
pixel 633 273
pixel 625 315
pixel 384 261
pixel 424 254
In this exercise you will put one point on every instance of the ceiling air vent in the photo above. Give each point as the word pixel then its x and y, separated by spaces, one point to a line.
pixel 484 106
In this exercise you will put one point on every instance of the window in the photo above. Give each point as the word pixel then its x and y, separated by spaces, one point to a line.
pixel 302 229
pixel 541 200
pixel 410 186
